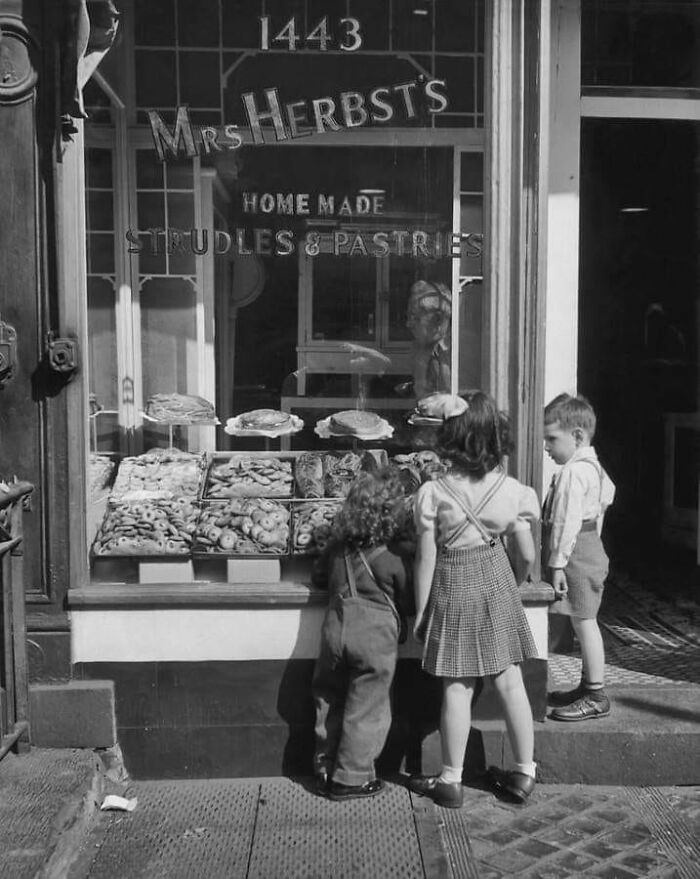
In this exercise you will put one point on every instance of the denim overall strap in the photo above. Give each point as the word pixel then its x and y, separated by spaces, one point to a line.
pixel 365 561
pixel 350 575
pixel 472 514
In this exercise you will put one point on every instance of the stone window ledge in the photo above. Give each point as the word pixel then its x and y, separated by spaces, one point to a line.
pixel 205 594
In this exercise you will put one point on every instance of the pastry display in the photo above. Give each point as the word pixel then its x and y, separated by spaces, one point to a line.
pixel 159 473
pixel 147 528
pixel 263 422
pixel 415 468
pixel 179 409
pixel 265 419
pixel 308 475
pixel 249 476
pixel 312 526
pixel 438 407
pixel 341 470
pixel 355 422
pixel 243 526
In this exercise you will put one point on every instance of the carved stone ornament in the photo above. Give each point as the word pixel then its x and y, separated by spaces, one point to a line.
pixel 17 75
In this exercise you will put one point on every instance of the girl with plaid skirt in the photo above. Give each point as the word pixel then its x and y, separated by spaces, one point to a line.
pixel 469 614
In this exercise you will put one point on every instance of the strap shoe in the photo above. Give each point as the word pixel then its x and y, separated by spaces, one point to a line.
pixel 587 707
pixel 515 784
pixel 338 791
pixel 442 793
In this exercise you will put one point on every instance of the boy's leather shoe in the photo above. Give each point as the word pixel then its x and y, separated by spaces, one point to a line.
pixel 442 793
pixel 338 791
pixel 566 697
pixel 584 708
pixel 515 784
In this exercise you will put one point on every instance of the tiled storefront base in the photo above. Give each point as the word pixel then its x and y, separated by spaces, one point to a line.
pixel 240 719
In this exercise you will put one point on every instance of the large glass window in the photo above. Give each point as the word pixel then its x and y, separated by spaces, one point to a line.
pixel 284 212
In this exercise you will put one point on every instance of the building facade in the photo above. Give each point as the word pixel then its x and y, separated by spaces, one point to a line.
pixel 312 208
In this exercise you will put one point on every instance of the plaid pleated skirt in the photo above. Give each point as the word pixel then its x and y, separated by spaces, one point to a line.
pixel 585 576
pixel 475 622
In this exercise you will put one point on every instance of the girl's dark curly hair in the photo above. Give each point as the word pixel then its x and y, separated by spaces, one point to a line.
pixel 374 510
pixel 477 440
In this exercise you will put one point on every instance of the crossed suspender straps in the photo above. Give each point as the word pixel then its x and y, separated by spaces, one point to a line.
pixel 471 514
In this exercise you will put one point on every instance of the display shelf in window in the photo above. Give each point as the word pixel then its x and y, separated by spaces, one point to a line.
pixel 147 529
pixel 243 527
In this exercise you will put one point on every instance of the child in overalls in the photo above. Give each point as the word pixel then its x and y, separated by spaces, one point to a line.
pixel 469 613
pixel 360 636
pixel 572 549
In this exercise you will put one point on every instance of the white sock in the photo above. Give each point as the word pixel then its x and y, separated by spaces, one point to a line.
pixel 451 774
pixel 526 768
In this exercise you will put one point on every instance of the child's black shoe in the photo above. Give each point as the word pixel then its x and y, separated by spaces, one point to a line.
pixel 338 791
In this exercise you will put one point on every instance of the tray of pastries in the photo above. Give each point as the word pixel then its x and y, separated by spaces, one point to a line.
pixel 248 527
pixel 248 475
pixel 159 473
pixel 150 528
pixel 415 468
pixel 311 525
pixel 341 469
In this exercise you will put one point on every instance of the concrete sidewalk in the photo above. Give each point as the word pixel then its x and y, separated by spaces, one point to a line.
pixel 279 829
pixel 51 827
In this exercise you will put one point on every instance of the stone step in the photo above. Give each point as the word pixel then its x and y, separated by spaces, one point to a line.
pixel 650 737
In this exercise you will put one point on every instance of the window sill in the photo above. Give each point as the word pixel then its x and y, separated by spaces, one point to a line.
pixel 204 594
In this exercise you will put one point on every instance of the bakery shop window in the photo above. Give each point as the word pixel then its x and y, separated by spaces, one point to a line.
pixel 285 216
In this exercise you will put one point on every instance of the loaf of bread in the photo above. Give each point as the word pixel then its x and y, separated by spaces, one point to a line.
pixel 308 474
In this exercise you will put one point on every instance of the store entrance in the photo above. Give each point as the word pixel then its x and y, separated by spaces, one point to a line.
pixel 638 336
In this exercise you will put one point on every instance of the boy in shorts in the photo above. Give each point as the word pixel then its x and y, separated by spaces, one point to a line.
pixel 573 552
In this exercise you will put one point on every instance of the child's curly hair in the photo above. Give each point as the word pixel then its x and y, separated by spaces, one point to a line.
pixel 374 511
pixel 478 440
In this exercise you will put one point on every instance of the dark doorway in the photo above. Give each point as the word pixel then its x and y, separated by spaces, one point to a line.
pixel 640 226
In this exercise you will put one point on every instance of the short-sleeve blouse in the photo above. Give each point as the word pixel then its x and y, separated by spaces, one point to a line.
pixel 512 508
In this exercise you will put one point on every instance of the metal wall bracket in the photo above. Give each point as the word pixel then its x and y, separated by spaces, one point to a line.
pixel 62 354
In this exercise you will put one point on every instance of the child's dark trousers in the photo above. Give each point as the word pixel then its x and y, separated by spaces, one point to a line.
pixel 351 685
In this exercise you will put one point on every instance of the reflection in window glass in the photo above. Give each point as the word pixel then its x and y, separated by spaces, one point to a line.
pixel 640 44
